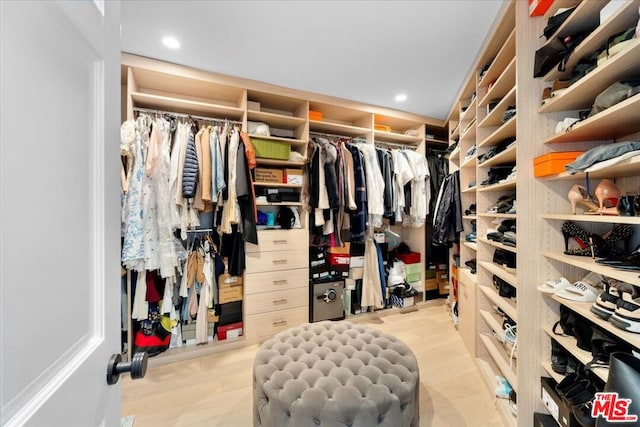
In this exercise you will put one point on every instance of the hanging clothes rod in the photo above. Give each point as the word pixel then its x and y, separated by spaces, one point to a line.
pixel 332 135
pixel 200 230
pixel 186 116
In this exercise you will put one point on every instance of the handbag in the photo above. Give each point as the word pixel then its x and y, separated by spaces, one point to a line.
pixel 554 22
pixel 556 52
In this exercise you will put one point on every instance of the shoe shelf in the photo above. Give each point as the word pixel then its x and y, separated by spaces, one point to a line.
pixel 455 132
pixel 507 156
pixel 508 185
pixel 494 118
pixel 469 189
pixel 497 215
pixel 581 94
pixel 492 268
pixel 584 17
pixel 455 153
pixel 620 20
pixel 505 304
pixel 616 121
pixel 553 374
pixel 468 134
pixel 608 219
pixel 569 344
pixel 583 309
pixel 501 359
pixel 503 58
pixel 502 405
pixel 627 167
pixel 493 320
pixel 471 245
pixel 470 163
pixel 470 217
pixel 470 112
pixel 507 130
pixel 588 264
pixel 503 84
pixel 498 245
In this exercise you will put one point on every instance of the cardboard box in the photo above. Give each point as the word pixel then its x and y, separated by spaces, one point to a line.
pixel 340 250
pixel 443 288
pixel 553 163
pixel 556 407
pixel 269 175
pixel 431 284
pixel 226 280
pixel 230 294
pixel 292 176
pixel 233 330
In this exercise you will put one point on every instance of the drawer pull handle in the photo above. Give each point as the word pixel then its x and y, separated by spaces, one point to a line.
pixel 279 301
pixel 280 242
pixel 279 261
pixel 279 322
pixel 280 282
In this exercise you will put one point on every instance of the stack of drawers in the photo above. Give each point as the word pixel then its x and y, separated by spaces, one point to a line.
pixel 276 282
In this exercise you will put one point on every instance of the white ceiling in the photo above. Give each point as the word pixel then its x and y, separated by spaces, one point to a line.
pixel 367 51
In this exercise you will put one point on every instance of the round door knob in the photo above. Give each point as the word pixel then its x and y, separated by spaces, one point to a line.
pixel 137 367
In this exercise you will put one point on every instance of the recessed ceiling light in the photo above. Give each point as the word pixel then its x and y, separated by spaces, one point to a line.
pixel 401 97
pixel 171 42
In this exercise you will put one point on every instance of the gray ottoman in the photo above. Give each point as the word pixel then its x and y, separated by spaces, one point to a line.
pixel 335 374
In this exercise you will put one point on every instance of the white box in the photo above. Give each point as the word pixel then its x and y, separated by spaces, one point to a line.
pixel 356 261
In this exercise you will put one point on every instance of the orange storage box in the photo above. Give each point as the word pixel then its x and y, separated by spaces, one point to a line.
pixel 553 163
pixel 315 115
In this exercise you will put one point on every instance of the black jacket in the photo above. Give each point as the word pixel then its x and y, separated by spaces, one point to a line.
pixel 448 216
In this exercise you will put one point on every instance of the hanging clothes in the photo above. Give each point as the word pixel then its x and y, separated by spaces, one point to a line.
pixel 447 219
pixel 420 189
pixel 358 217
pixel 371 283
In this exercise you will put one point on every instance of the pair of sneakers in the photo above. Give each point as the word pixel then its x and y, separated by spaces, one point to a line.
pixel 619 303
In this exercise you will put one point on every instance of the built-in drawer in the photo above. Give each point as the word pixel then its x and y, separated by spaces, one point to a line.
pixel 276 301
pixel 258 262
pixel 269 324
pixel 276 280
pixel 280 240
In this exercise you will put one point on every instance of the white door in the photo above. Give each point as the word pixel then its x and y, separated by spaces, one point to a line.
pixel 59 198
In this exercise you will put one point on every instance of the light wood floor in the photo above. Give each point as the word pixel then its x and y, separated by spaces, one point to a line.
pixel 216 390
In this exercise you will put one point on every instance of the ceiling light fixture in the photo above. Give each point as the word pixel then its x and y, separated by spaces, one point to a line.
pixel 171 42
pixel 401 97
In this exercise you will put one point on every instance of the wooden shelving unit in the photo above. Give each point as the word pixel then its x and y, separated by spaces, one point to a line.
pixel 492 268
pixel 584 357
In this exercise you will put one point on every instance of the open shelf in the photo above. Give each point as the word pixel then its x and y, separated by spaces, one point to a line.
pixel 505 131
pixel 580 95
pixel 502 405
pixel 506 305
pixel 627 167
pixel 608 219
pixel 509 185
pixel 275 120
pixel 583 309
pixel 501 359
pixel 502 85
pixel 381 136
pixel 470 163
pixel 497 245
pixel 186 106
pixel 274 162
pixel 497 215
pixel 589 264
pixel 492 319
pixel 469 189
pixel 469 134
pixel 494 118
pixel 553 374
pixel 468 217
pixel 569 344
pixel 470 112
pixel 620 20
pixel 337 128
pixel 507 156
pixel 471 245
pixel 276 185
pixel 616 121
pixel 501 61
pixel 510 278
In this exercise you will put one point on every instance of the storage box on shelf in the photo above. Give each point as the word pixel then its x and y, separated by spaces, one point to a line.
pixel 340 120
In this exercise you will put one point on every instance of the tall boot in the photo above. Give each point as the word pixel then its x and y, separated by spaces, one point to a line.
pixel 624 378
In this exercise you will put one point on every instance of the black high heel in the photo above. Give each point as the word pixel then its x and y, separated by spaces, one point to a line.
pixel 572 230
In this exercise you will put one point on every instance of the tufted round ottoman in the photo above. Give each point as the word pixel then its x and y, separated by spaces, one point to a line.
pixel 335 374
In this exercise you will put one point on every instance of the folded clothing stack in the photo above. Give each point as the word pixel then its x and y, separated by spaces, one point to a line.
pixel 505 234
pixel 499 174
pixel 497 149
pixel 505 204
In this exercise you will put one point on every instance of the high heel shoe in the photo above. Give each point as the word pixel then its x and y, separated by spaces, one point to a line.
pixel 607 194
pixel 572 230
pixel 578 196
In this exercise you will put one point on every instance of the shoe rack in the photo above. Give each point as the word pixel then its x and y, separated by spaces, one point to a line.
pixel 542 203
pixel 616 124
